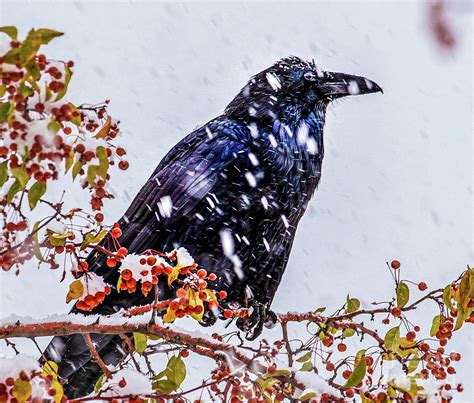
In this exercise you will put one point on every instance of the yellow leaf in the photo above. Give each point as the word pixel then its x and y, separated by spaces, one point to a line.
pixel 169 316
pixel 119 282
pixel 194 301
pixel 56 385
pixel 173 275
pixel 21 390
pixel 50 368
pixel 104 130
pixel 76 290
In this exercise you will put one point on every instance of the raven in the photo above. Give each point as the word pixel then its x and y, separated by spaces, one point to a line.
pixel 234 191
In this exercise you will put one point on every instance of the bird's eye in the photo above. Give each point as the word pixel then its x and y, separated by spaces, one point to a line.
pixel 310 76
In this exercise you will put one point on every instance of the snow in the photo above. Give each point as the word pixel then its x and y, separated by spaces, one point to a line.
pixel 314 382
pixel 165 205
pixel 136 383
pixel 251 179
pixel 274 81
pixel 227 243
pixel 397 175
pixel 11 367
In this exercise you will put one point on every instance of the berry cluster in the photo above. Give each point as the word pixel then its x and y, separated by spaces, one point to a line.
pixel 27 382
pixel 90 290
pixel 41 133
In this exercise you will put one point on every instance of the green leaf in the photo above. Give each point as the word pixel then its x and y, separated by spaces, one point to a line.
pixel 92 173
pixel 465 293
pixel 462 315
pixel 25 90
pixel 54 126
pixel 360 368
pixel 12 56
pixel 392 339
pixel 348 332
pixel 307 395
pixel 413 363
pixel 104 162
pixel 11 31
pixel 76 168
pixel 33 41
pixel 175 373
pixel 435 325
pixel 3 173
pixel 140 340
pixel 35 193
pixel 58 239
pixel 3 89
pixel 307 366
pixel 76 120
pixel 4 111
pixel 305 357
pixel 47 35
pixel 67 78
pixel 69 160
pixel 36 248
pixel 34 71
pixel 21 176
pixel 14 189
pixel 177 370
pixel 403 294
pixel 48 93
pixel 164 386
pixel 88 238
pixel 98 384
pixel 447 297
pixel 352 304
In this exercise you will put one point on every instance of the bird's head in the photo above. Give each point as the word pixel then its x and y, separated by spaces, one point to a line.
pixel 295 82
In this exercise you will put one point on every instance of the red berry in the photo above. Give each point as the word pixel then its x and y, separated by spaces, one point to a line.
pixel 181 293
pixel 330 366
pixel 341 347
pixel 396 312
pixel 122 251
pixel 184 353
pixel 83 265
pixel 122 383
pixel 212 277
pixel 116 233
pixel 123 165
pixel 228 313
pixel 111 262
pixel 422 286
pixel 395 264
pixel 222 294
pixel 201 273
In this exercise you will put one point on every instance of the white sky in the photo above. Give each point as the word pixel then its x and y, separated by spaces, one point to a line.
pixel 397 176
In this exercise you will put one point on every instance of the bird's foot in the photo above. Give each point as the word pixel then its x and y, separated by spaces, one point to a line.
pixel 259 315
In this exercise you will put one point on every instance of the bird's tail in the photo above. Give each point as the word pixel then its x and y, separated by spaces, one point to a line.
pixel 76 364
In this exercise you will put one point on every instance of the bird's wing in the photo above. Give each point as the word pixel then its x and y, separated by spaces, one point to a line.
pixel 185 176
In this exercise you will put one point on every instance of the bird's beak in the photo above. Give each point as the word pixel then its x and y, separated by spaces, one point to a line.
pixel 339 85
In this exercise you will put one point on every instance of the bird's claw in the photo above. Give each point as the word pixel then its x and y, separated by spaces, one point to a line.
pixel 259 316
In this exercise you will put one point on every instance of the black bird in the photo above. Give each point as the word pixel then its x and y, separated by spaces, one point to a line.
pixel 232 193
